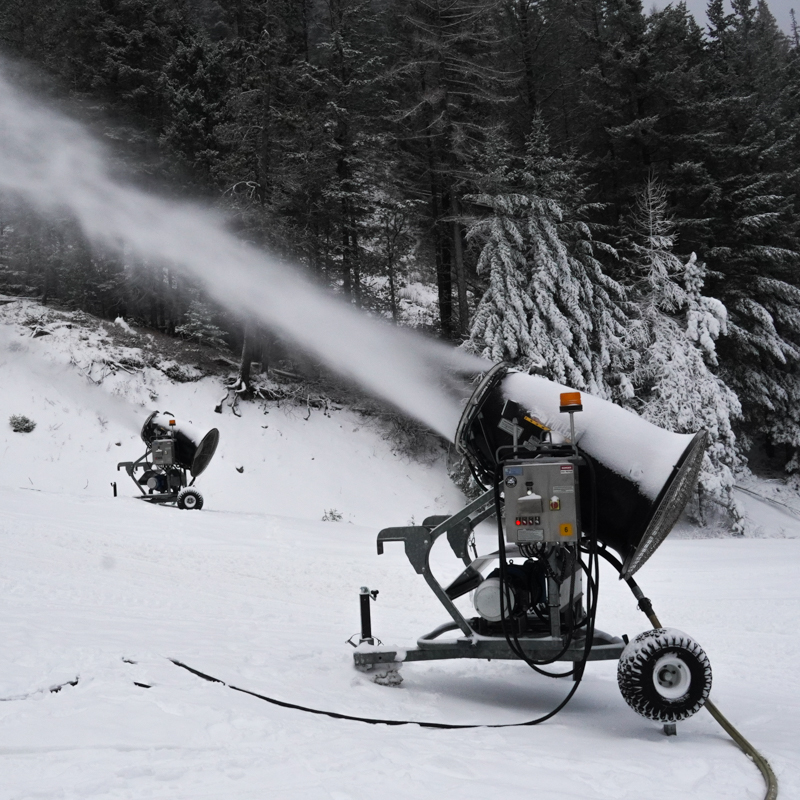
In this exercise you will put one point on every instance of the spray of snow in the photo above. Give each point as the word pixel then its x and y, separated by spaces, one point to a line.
pixel 52 163
pixel 61 380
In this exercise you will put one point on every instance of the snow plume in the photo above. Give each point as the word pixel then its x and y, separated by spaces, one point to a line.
pixel 53 164
pixel 61 380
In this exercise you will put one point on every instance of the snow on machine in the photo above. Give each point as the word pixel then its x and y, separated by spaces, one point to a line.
pixel 173 450
pixel 569 479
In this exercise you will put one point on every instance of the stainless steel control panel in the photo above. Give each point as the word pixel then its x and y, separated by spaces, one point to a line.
pixel 163 452
pixel 541 501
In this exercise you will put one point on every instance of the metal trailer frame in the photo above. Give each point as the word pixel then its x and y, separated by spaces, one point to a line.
pixel 418 541
pixel 161 498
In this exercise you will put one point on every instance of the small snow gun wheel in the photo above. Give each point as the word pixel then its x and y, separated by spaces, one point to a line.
pixel 664 675
pixel 190 499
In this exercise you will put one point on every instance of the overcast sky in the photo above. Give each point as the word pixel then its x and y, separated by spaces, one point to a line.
pixel 779 9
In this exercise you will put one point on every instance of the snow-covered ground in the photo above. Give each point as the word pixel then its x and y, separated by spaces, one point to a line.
pixel 258 591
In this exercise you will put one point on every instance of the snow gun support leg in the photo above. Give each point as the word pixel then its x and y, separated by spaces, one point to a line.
pixel 475 640
pixel 365 595
pixel 131 467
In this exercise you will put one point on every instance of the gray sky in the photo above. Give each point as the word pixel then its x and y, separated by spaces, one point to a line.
pixel 779 9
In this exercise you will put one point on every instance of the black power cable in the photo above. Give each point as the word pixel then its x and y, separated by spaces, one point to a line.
pixel 515 647
pixel 370 720
pixel 594 552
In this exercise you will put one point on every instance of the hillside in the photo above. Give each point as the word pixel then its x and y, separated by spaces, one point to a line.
pixel 98 594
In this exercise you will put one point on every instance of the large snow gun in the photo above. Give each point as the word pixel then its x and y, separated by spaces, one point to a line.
pixel 569 479
pixel 173 450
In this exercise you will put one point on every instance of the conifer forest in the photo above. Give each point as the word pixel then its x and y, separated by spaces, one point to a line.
pixel 605 194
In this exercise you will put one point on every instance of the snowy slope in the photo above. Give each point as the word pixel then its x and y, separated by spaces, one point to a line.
pixel 290 465
pixel 258 591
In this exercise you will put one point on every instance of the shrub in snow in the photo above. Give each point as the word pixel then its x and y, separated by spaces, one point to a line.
pixel 21 424
pixel 332 515
pixel 180 373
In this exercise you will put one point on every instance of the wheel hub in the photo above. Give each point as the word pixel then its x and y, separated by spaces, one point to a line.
pixel 671 677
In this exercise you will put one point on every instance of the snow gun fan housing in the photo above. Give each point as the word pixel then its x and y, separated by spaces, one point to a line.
pixel 643 475
pixel 191 452
pixel 173 450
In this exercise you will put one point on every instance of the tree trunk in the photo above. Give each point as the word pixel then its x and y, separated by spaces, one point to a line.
pixel 461 278
pixel 347 271
pixel 444 279
pixel 390 251
pixel 247 358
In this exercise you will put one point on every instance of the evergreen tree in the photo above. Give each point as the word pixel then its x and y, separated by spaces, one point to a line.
pixel 450 89
pixel 616 129
pixel 267 133
pixel 194 84
pixel 349 68
pixel 672 345
pixel 548 304
pixel 754 249
pixel 200 326
pixel 118 50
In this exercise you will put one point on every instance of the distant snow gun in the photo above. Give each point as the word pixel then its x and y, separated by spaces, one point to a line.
pixel 174 451
pixel 570 479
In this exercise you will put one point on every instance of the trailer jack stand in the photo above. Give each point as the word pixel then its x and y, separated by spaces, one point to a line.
pixel 365 595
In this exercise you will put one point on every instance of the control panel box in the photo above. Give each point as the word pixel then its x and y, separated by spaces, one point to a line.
pixel 163 452
pixel 541 501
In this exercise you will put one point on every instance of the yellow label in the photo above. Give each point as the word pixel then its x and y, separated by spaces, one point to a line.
pixel 565 529
pixel 536 423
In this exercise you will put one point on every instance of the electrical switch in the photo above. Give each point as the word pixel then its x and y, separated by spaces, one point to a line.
pixel 555 503
pixel 531 503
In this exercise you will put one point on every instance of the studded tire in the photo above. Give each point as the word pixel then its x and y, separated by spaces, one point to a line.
pixel 664 675
pixel 190 499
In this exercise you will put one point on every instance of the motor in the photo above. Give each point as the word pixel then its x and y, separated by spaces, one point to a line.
pixel 525 588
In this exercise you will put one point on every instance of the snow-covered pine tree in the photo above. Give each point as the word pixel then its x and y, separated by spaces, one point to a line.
pixel 194 84
pixel 199 325
pixel 672 345
pixel 500 326
pixel 548 303
pixel 755 249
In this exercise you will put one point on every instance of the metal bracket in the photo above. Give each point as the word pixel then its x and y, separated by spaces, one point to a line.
pixel 132 466
pixel 419 539
pixel 604 647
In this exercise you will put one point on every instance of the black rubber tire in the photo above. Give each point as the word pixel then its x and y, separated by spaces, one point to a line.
pixel 664 675
pixel 190 499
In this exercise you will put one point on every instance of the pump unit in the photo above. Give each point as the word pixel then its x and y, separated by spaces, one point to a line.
pixel 173 450
pixel 568 478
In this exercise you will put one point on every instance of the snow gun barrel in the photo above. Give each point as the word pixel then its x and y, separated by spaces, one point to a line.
pixel 192 451
pixel 643 475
